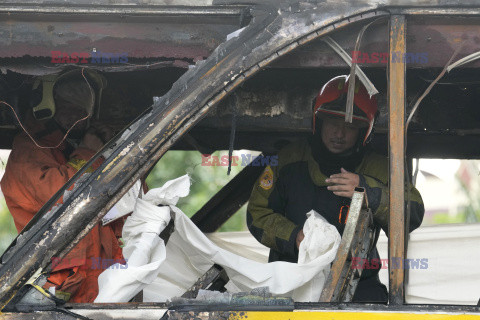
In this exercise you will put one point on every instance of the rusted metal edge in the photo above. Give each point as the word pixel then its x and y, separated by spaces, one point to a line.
pixel 427 308
pixel 357 238
pixel 222 312
pixel 470 11
pixel 216 276
pixel 137 10
pixel 396 146
pixel 333 286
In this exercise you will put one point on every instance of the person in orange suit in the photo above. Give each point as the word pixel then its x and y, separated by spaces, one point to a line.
pixel 35 171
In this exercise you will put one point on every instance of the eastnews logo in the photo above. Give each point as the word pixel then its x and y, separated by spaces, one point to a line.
pixel 243 160
pixel 396 263
pixel 382 57
pixel 97 57
pixel 96 263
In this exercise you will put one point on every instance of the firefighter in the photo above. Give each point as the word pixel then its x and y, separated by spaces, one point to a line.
pixel 321 173
pixel 42 161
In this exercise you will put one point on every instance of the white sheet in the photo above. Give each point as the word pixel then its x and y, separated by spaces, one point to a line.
pixel 165 272
pixel 452 275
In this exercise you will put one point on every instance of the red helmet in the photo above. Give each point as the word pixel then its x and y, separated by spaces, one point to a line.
pixel 336 90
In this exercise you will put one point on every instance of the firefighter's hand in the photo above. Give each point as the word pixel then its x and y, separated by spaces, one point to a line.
pixel 91 141
pixel 300 237
pixel 343 184
pixel 103 131
pixel 96 136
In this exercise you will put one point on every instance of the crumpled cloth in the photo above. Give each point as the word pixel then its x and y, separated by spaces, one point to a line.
pixel 163 272
pixel 318 234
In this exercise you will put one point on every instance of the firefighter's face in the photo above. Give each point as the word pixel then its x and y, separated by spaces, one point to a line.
pixel 74 101
pixel 337 135
pixel 66 114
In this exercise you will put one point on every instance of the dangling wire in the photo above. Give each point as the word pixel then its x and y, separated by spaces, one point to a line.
pixel 68 131
pixel 415 174
pixel 407 175
pixel 233 105
pixel 352 76
pixel 432 84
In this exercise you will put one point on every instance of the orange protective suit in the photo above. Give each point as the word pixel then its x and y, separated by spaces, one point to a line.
pixel 32 176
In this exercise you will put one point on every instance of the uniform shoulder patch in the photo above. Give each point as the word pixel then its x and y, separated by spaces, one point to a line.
pixel 266 180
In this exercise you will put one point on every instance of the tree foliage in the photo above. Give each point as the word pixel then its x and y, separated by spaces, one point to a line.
pixel 206 181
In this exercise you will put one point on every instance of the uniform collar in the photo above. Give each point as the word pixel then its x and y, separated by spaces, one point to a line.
pixel 314 169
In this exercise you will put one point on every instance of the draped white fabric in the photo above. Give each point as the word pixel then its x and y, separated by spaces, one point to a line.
pixel 450 276
pixel 451 260
pixel 167 271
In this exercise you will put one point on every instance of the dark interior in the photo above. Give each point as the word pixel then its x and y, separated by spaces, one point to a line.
pixel 275 107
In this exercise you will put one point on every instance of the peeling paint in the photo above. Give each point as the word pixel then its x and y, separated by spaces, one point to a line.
pixel 121 154
pixel 126 149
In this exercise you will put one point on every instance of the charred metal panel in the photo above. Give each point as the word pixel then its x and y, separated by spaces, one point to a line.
pixel 279 100
pixel 430 43
pixel 182 33
pixel 409 4
pixel 159 3
pixel 319 54
pixel 130 93
pixel 137 40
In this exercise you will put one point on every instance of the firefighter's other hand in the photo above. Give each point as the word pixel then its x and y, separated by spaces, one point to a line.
pixel 343 184
pixel 91 141
pixel 103 131
pixel 300 237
